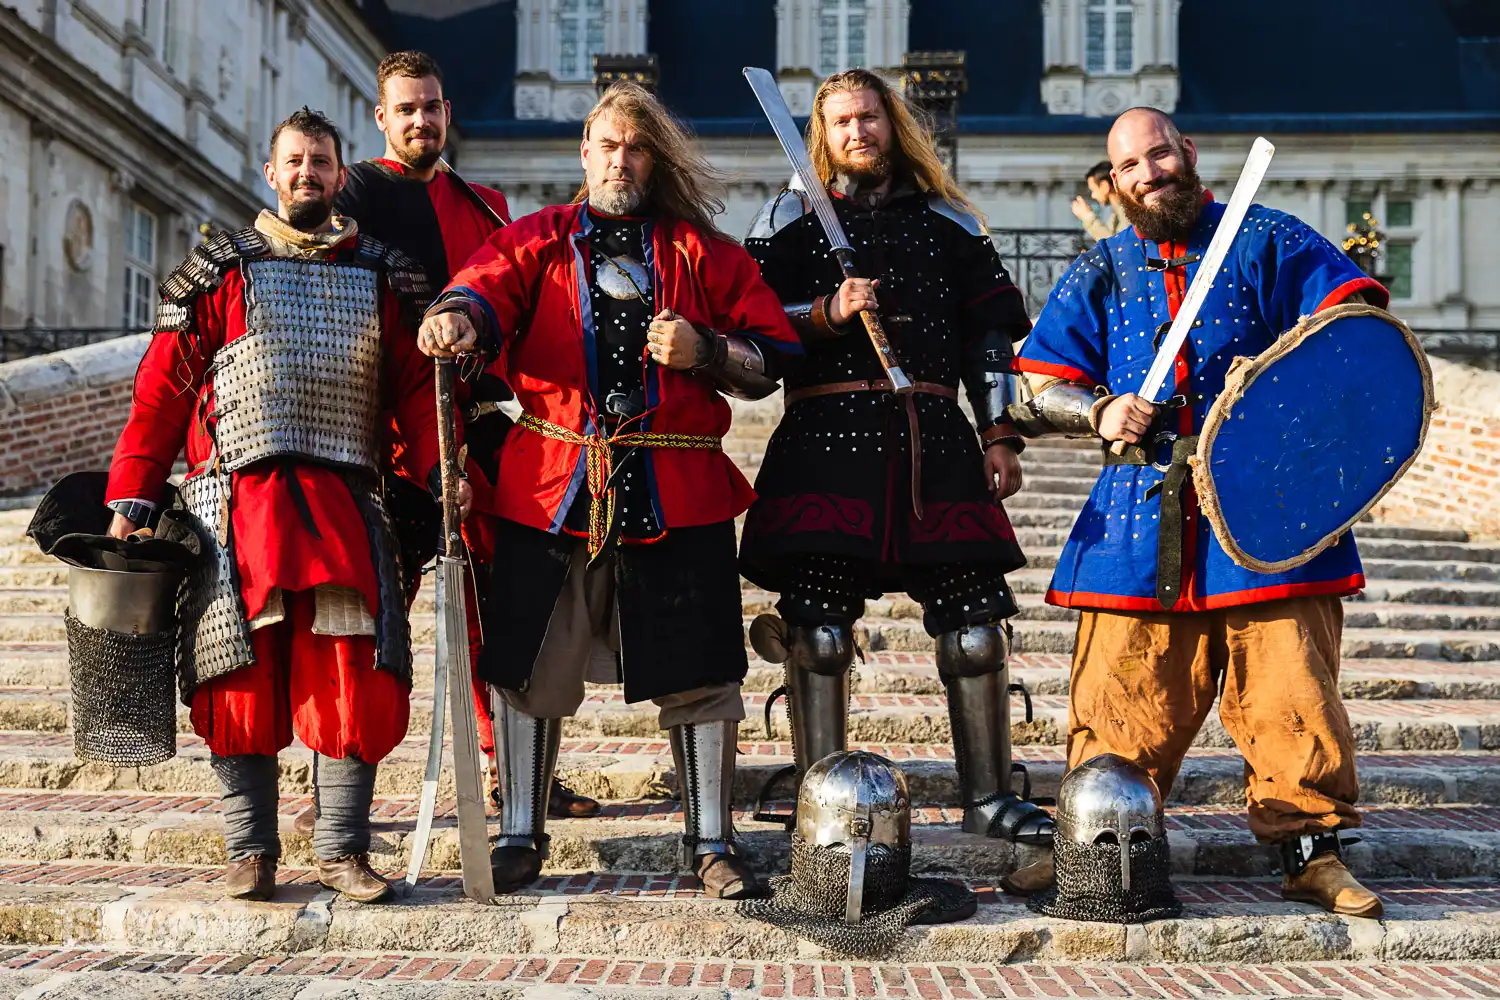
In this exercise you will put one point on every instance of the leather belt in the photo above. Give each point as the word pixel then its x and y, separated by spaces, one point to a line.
pixel 913 430
pixel 1174 480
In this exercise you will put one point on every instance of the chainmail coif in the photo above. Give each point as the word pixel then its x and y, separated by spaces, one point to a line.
pixel 810 902
pixel 1088 884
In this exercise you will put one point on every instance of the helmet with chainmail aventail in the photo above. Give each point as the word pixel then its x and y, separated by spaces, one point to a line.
pixel 1110 848
pixel 850 888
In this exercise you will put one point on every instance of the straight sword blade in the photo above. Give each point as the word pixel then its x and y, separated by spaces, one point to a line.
pixel 1254 172
pixel 785 127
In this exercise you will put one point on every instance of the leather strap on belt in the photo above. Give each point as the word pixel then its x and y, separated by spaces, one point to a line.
pixel 599 459
pixel 914 432
pixel 1171 488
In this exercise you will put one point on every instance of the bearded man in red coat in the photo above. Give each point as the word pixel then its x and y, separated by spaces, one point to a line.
pixel 278 350
pixel 618 320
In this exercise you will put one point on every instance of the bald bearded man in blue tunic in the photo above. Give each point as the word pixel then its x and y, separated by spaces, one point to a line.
pixel 1168 620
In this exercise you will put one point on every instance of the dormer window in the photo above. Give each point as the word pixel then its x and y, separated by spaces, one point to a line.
pixel 1109 37
pixel 841 35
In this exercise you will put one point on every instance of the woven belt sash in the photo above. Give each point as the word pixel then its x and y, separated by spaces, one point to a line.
pixel 914 432
pixel 1172 488
pixel 599 463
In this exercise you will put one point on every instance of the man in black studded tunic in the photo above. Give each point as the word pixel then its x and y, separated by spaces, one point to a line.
pixel 865 492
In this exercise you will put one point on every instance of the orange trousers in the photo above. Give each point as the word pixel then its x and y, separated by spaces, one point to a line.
pixel 325 687
pixel 1143 684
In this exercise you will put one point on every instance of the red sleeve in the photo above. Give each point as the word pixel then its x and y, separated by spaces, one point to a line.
pixel 501 277
pixel 742 302
pixel 412 394
pixel 167 386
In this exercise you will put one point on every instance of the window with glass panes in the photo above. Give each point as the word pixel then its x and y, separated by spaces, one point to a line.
pixel 842 30
pixel 1109 36
pixel 140 268
pixel 580 36
pixel 1395 215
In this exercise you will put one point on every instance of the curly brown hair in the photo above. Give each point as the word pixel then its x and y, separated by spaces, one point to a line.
pixel 408 63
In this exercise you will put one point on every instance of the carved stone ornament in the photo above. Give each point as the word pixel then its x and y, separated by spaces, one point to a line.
pixel 78 236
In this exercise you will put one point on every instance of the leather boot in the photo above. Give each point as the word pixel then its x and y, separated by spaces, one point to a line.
pixel 252 878
pixel 514 868
pixel 1327 883
pixel 306 821
pixel 352 877
pixel 727 876
pixel 564 803
pixel 1030 879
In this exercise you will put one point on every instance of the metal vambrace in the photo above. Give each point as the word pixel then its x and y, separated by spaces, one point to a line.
pixel 704 755
pixel 527 750
pixel 989 380
pixel 810 320
pixel 972 665
pixel 817 690
pixel 736 366
pixel 1060 408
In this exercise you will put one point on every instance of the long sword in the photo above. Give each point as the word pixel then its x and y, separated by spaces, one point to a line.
pixel 453 661
pixel 1256 165
pixel 774 105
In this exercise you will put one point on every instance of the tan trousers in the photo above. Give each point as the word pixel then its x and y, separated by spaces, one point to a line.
pixel 583 644
pixel 1144 683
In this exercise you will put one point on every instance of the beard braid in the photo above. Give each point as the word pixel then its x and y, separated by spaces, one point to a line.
pixel 308 215
pixel 1176 211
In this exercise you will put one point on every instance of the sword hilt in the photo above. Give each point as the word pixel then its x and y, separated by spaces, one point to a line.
pixel 900 384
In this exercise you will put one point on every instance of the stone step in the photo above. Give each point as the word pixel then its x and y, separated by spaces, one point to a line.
pixel 178 909
pixel 1432 842
pixel 627 768
pixel 103 971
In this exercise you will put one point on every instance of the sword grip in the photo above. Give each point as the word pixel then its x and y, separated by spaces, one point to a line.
pixel 900 384
pixel 1117 448
pixel 448 458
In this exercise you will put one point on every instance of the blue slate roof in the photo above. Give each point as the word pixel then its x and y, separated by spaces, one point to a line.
pixel 1272 65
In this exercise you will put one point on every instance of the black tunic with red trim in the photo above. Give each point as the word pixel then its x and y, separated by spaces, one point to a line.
pixel 837 473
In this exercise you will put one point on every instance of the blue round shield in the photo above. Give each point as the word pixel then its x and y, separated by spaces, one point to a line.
pixel 1308 436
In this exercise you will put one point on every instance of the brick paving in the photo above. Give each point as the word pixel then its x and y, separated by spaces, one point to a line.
pixel 916 981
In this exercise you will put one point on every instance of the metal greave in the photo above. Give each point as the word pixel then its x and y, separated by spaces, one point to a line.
pixel 527 749
pixel 704 755
pixel 817 690
pixel 972 664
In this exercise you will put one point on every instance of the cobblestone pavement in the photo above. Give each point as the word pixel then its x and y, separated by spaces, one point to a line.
pixel 54 974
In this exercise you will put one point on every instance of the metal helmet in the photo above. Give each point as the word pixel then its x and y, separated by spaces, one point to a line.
pixel 851 847
pixel 1110 846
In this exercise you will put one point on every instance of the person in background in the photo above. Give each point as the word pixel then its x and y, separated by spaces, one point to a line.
pixel 1102 190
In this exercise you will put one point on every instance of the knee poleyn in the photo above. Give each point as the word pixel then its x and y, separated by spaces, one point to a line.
pixel 973 651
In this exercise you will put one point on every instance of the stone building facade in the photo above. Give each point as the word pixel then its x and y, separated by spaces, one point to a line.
pixel 129 125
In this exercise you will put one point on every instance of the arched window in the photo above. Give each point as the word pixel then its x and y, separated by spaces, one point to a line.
pixel 580 36
pixel 1109 36
pixel 842 33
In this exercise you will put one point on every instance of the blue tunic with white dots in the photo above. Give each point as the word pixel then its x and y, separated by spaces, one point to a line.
pixel 1101 327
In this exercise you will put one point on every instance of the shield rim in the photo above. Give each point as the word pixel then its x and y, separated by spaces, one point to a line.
pixel 1242 374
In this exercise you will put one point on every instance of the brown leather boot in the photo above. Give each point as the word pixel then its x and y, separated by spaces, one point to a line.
pixel 1030 878
pixel 252 878
pixel 305 821
pixel 564 803
pixel 727 876
pixel 352 877
pixel 1327 883
pixel 514 868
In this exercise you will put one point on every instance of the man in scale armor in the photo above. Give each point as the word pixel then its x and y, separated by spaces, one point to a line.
pixel 865 492
pixel 277 350
pixel 618 320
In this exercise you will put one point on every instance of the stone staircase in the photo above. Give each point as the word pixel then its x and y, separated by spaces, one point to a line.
pixel 107 862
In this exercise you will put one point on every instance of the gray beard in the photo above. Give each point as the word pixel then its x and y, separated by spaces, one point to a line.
pixel 613 201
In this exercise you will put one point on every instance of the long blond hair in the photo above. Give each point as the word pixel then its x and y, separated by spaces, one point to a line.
pixel 684 185
pixel 913 146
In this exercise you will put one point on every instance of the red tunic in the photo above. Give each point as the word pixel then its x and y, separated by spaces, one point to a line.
pixel 527 280
pixel 275 547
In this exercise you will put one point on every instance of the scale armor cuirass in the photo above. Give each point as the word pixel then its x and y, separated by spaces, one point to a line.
pixel 304 378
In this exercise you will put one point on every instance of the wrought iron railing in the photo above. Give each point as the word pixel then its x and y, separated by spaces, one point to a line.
pixel 1480 348
pixel 1037 258
pixel 28 341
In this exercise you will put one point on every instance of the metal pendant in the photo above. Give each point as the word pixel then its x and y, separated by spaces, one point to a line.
pixel 623 278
